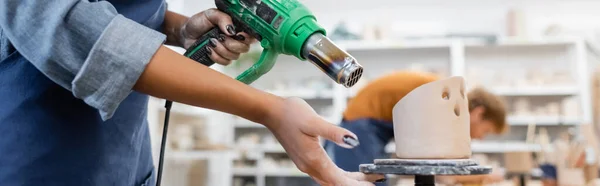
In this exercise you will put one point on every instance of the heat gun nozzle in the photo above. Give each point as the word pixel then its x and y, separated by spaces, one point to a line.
pixel 336 63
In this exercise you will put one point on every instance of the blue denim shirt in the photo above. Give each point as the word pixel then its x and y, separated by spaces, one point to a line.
pixel 88 48
pixel 68 115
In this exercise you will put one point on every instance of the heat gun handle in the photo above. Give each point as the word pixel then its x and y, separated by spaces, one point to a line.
pixel 199 51
pixel 262 66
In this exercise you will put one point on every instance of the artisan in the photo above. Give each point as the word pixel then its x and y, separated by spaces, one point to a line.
pixel 369 116
pixel 75 77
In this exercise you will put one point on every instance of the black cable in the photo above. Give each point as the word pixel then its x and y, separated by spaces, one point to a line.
pixel 168 105
pixel 201 56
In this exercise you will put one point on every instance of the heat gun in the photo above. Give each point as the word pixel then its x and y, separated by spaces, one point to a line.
pixel 282 27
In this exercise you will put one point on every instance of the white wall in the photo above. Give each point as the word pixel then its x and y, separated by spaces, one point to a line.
pixel 460 15
pixel 436 16
pixel 440 17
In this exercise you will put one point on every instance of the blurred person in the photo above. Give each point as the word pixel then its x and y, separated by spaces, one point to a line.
pixel 75 77
pixel 369 116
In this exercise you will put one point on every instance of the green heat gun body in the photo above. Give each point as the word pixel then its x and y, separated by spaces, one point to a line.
pixel 282 27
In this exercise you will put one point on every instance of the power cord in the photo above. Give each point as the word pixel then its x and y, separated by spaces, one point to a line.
pixel 198 53
pixel 168 105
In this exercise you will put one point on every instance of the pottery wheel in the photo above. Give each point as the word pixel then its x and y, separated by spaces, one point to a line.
pixel 425 167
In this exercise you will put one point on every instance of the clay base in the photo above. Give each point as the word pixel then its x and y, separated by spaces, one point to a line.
pixel 424 167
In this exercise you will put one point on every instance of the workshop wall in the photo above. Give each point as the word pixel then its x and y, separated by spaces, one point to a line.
pixel 396 19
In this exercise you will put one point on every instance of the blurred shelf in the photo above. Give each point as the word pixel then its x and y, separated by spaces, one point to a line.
pixel 397 44
pixel 500 147
pixel 515 41
pixel 304 93
pixel 284 172
pixel 245 171
pixel 525 91
pixel 543 120
pixel 536 91
pixel 490 147
pixel 441 43
pixel 199 154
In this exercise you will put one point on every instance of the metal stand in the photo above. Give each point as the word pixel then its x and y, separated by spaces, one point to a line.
pixel 522 180
pixel 424 170
pixel 424 180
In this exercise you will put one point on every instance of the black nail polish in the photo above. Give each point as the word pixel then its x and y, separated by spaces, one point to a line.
pixel 351 141
pixel 221 38
pixel 231 29
pixel 381 180
pixel 239 37
pixel 213 42
pixel 258 37
pixel 208 50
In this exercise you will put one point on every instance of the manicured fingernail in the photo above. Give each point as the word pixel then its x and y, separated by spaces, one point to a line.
pixel 221 38
pixel 381 180
pixel 209 51
pixel 239 37
pixel 231 29
pixel 350 141
pixel 213 42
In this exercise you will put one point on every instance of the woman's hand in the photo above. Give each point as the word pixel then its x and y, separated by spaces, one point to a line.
pixel 298 127
pixel 184 32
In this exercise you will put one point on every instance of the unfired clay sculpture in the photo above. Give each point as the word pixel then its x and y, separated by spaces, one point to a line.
pixel 432 122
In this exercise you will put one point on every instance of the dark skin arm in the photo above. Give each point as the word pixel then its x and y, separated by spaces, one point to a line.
pixel 172 27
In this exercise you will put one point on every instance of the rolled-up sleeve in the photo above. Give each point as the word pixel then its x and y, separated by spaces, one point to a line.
pixel 85 47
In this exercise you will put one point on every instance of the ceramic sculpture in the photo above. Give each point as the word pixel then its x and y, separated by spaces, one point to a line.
pixel 432 122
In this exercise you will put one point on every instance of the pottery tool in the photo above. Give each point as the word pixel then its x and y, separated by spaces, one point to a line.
pixel 425 147
pixel 282 27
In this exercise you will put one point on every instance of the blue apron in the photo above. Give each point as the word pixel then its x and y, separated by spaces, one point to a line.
pixel 373 135
pixel 50 138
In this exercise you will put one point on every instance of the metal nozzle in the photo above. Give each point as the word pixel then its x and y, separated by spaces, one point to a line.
pixel 336 63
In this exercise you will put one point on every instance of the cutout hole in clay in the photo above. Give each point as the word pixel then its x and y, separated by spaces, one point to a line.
pixel 446 94
pixel 462 90
pixel 457 109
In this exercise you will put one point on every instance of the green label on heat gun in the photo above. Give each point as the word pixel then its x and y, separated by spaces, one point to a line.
pixel 195 49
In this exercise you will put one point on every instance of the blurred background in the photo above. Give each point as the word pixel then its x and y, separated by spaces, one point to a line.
pixel 540 55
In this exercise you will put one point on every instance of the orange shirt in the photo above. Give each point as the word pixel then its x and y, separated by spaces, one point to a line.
pixel 377 99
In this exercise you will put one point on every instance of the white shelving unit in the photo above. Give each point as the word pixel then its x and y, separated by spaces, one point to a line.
pixel 537 91
pixel 491 147
pixel 543 120
pixel 449 57
pixel 452 56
